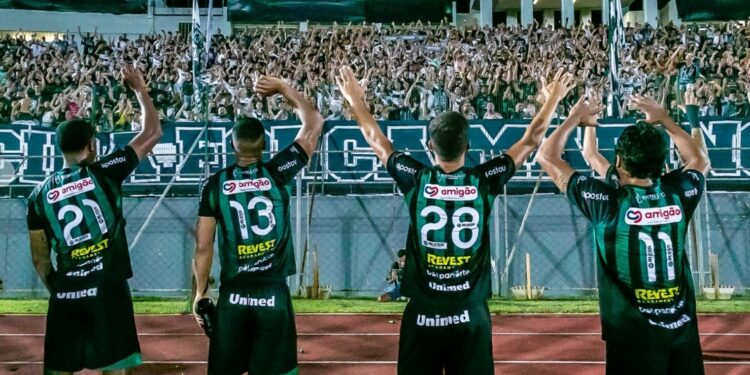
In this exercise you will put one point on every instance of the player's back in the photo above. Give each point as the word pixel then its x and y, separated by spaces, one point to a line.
pixel 251 207
pixel 448 257
pixel 640 235
pixel 80 210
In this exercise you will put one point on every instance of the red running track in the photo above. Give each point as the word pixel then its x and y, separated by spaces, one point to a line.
pixel 368 344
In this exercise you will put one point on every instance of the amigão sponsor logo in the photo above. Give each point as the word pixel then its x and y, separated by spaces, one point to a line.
pixel 246 186
pixel 450 193
pixel 70 190
pixel 653 216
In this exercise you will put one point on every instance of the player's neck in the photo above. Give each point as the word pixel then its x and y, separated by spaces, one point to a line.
pixel 627 179
pixel 449 166
pixel 243 160
pixel 75 160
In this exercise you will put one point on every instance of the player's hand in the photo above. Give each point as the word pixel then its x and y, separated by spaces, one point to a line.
pixel 560 86
pixel 350 88
pixel 133 78
pixel 587 109
pixel 197 316
pixel 268 85
pixel 653 111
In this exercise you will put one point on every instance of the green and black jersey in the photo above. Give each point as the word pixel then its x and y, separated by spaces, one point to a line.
pixel 448 243
pixel 646 293
pixel 251 208
pixel 80 210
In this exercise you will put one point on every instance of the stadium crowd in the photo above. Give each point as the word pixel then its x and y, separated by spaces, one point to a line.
pixel 412 71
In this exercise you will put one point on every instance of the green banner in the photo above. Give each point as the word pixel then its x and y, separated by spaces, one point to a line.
pixel 716 10
pixel 88 6
pixel 341 11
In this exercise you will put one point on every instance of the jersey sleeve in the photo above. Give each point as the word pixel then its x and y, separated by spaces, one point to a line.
pixel 33 219
pixel 596 199
pixel 287 163
pixel 206 205
pixel 689 185
pixel 119 164
pixel 496 172
pixel 404 169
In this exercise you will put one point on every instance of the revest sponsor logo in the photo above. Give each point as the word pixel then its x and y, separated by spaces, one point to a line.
pixel 114 161
pixel 653 216
pixel 594 196
pixel 70 190
pixel 657 295
pixel 253 250
pixel 245 186
pixel 87 252
pixel 450 193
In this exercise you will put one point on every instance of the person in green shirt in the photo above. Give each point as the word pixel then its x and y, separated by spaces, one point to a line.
pixel 646 293
pixel 247 203
pixel 77 214
pixel 446 325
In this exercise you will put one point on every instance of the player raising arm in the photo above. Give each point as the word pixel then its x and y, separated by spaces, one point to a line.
pixel 446 324
pixel 602 166
pixel 77 213
pixel 646 296
pixel 248 202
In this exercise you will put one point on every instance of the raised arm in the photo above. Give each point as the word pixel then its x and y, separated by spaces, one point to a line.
pixel 312 121
pixel 691 153
pixel 550 153
pixel 591 153
pixel 151 132
pixel 354 95
pixel 553 93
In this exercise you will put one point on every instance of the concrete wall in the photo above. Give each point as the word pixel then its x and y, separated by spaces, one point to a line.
pixel 354 237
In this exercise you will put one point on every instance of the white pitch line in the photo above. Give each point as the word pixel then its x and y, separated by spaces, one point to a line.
pixel 157 334
pixel 382 362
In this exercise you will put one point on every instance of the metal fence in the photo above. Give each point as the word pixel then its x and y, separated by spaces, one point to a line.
pixel 359 218
pixel 355 237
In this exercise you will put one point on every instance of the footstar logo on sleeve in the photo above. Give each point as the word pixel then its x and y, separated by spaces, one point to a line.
pixel 70 190
pixel 450 193
pixel 246 186
pixel 442 321
pixel 653 216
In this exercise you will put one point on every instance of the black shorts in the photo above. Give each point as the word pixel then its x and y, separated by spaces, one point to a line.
pixel 681 360
pixel 458 340
pixel 90 327
pixel 254 331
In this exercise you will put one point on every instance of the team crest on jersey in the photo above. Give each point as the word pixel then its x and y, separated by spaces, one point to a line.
pixel 70 190
pixel 246 186
pixel 653 216
pixel 450 193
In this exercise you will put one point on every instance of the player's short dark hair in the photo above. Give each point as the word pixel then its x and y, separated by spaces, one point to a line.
pixel 248 129
pixel 74 135
pixel 401 252
pixel 643 150
pixel 449 133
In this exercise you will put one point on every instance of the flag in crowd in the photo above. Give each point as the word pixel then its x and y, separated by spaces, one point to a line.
pixel 199 53
pixel 615 38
